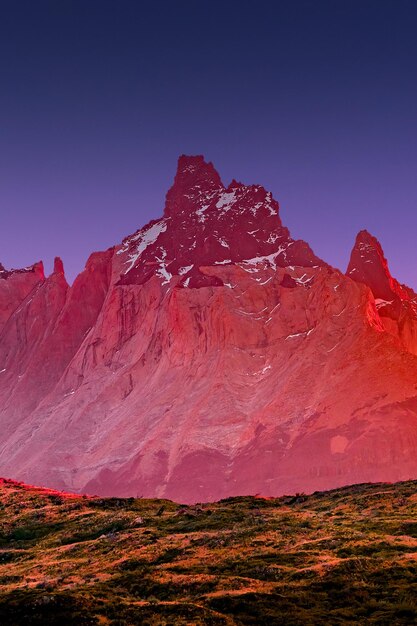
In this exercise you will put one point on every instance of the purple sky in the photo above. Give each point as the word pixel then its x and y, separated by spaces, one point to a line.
pixel 316 100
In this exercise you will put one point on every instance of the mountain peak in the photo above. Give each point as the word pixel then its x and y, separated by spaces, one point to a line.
pixel 195 180
pixel 206 224
pixel 191 167
pixel 58 266
pixel 368 265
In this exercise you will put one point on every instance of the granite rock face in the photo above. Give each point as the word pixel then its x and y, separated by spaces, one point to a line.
pixel 208 355
pixel 396 303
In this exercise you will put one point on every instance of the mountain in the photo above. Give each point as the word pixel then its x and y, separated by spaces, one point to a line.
pixel 396 304
pixel 208 355
pixel 338 557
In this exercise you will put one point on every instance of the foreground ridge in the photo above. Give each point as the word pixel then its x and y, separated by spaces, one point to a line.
pixel 207 355
pixel 332 557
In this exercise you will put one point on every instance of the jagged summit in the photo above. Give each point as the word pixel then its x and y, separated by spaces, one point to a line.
pixel 58 266
pixel 205 225
pixel 195 180
pixel 368 265
pixel 396 303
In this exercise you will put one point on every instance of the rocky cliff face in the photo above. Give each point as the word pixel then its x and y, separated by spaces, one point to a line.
pixel 207 355
pixel 396 303
pixel 15 286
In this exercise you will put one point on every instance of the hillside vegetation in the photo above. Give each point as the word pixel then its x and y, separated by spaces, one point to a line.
pixel 343 556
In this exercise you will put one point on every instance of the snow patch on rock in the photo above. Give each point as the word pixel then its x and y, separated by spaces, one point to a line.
pixel 144 238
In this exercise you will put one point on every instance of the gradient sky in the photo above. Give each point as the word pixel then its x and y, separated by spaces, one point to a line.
pixel 316 100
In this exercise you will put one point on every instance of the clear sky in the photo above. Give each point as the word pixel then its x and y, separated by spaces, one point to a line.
pixel 316 100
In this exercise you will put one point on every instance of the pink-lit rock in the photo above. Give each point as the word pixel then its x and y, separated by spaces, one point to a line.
pixel 207 355
pixel 15 286
pixel 396 303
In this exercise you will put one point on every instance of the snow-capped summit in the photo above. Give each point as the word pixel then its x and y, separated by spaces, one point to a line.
pixel 206 224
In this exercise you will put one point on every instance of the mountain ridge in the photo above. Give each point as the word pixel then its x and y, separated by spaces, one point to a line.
pixel 208 354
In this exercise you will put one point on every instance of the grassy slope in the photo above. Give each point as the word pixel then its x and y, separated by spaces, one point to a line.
pixel 348 555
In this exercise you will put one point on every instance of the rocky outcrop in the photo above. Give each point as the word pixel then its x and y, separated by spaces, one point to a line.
pixel 15 287
pixel 396 303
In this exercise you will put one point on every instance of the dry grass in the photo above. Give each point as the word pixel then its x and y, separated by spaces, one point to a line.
pixel 345 556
